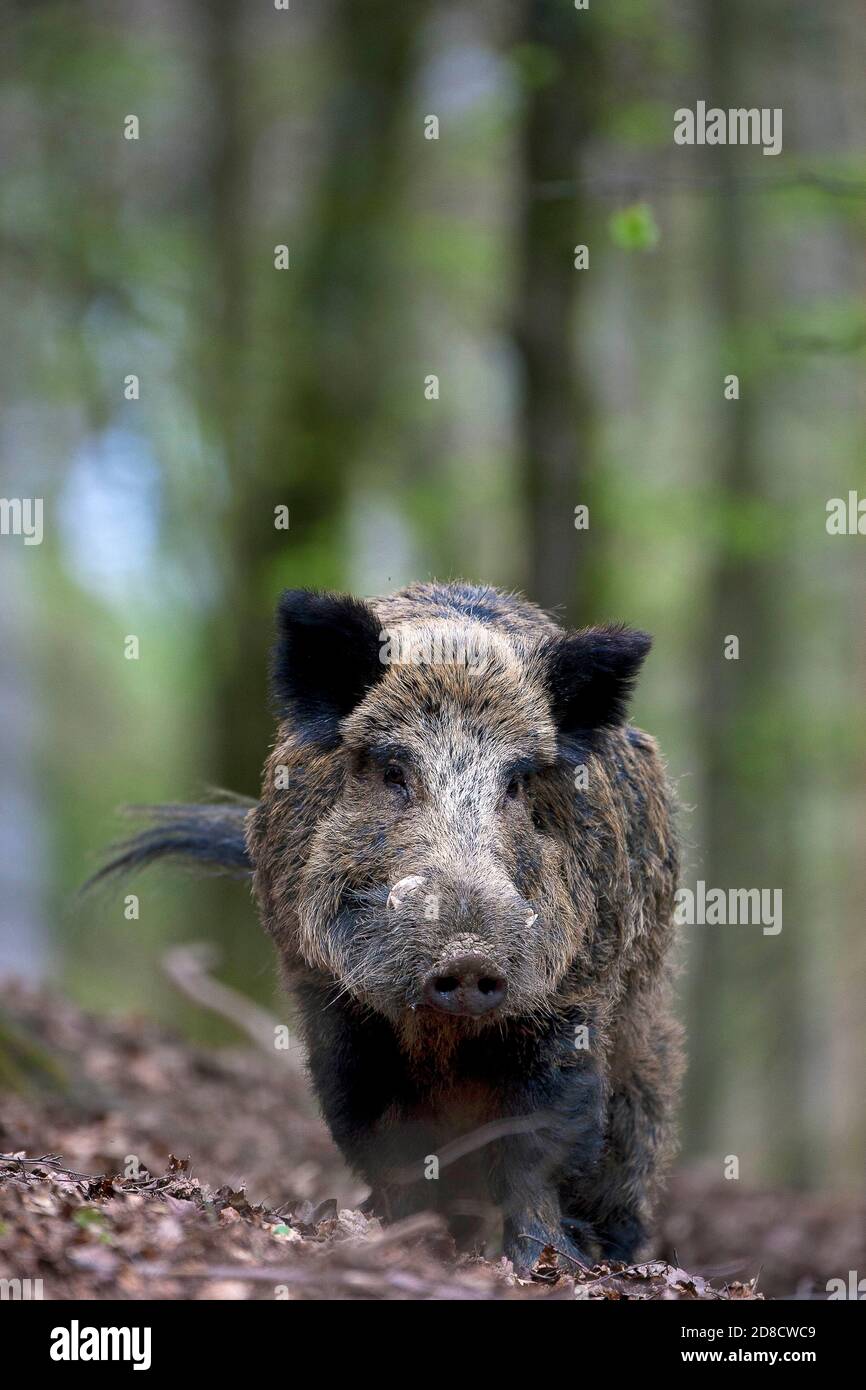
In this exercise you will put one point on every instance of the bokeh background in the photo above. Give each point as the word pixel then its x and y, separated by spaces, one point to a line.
pixel 305 388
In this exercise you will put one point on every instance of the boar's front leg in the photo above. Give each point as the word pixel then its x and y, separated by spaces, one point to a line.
pixel 617 1198
pixel 639 1140
pixel 359 1079
pixel 562 1107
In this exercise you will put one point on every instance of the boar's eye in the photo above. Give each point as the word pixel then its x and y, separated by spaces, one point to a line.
pixel 394 776
pixel 518 779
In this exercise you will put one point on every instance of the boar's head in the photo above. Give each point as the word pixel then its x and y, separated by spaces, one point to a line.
pixel 420 841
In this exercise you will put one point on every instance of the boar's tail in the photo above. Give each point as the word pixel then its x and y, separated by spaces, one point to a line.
pixel 210 836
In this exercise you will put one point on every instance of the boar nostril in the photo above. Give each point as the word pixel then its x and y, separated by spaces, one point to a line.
pixel 467 986
pixel 446 984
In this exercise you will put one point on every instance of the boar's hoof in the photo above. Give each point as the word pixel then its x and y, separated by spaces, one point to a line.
pixel 466 986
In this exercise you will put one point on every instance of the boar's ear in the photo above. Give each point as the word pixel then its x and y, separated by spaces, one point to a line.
pixel 591 674
pixel 325 659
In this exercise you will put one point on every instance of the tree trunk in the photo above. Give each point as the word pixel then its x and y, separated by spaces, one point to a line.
pixel 556 422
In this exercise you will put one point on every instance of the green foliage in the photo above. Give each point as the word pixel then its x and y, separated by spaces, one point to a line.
pixel 89 1218
pixel 640 124
pixel 634 228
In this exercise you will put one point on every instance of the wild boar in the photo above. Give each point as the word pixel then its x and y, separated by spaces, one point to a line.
pixel 466 858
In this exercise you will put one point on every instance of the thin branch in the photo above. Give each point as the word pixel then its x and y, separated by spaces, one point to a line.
pixel 188 967
pixel 476 1139
pixel 17 1164
pixel 47 1161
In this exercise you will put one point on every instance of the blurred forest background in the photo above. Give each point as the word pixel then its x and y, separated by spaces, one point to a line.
pixel 305 388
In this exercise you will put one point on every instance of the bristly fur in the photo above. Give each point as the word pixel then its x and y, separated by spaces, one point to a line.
pixel 209 837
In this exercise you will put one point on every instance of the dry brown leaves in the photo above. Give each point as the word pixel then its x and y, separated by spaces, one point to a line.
pixel 169 1236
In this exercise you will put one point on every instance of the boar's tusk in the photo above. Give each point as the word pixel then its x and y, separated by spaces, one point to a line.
pixel 401 888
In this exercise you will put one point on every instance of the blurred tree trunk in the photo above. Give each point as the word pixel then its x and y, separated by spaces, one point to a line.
pixel 746 1024
pixel 224 202
pixel 562 56
pixel 733 599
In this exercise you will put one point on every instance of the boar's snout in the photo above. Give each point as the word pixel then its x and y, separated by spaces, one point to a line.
pixel 465 986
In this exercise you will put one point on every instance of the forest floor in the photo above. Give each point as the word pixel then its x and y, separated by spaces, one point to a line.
pixel 157 1169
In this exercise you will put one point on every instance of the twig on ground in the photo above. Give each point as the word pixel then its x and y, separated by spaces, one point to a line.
pixel 46 1161
pixel 16 1164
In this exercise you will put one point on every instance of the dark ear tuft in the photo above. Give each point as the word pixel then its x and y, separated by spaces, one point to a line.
pixel 325 659
pixel 591 675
